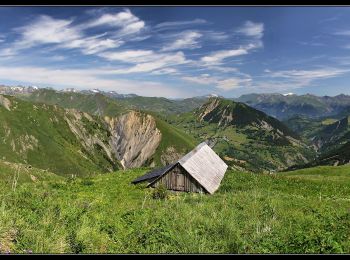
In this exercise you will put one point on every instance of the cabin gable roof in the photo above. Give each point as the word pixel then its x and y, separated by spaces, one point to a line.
pixel 202 163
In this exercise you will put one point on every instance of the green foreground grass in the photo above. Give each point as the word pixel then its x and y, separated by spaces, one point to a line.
pixel 305 211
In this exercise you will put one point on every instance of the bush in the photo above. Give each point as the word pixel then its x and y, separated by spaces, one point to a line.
pixel 87 182
pixel 160 192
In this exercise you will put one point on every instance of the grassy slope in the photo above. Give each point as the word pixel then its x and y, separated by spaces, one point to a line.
pixel 172 137
pixel 162 105
pixel 101 105
pixel 256 148
pixel 97 104
pixel 21 173
pixel 249 214
pixel 58 149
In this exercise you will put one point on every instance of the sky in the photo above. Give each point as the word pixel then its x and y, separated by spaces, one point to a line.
pixel 178 52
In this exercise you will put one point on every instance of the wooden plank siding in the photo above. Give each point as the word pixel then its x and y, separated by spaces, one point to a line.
pixel 171 181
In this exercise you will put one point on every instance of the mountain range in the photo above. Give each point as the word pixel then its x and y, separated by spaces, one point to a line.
pixel 286 106
pixel 82 132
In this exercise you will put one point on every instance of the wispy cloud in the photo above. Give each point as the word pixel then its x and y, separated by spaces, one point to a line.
pixel 178 24
pixel 161 62
pixel 252 29
pixel 46 30
pixel 120 19
pixel 145 60
pixel 215 36
pixel 63 34
pixel 309 74
pixel 86 79
pixel 287 80
pixel 185 40
pixel 92 45
pixel 218 56
pixel 58 58
pixel 342 32
pixel 126 23
pixel 131 56
pixel 224 84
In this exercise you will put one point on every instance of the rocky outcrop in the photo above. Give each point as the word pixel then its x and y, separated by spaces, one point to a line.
pixel 89 139
pixel 208 108
pixel 6 103
pixel 134 138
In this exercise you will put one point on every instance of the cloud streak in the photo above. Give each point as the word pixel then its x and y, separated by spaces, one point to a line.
pixel 186 40
pixel 218 56
pixel 178 24
pixel 224 84
pixel 86 79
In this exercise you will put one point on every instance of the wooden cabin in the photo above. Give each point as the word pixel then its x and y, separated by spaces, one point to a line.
pixel 201 170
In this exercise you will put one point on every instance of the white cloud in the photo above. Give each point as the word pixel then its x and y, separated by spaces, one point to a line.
pixel 218 56
pixel 215 36
pixel 117 20
pixel 86 79
pixel 309 74
pixel 172 71
pixel 58 58
pixel 224 84
pixel 203 79
pixel 252 29
pixel 8 52
pixel 125 21
pixel 342 33
pixel 159 62
pixel 232 83
pixel 92 45
pixel 146 61
pixel 177 24
pixel 130 56
pixel 287 80
pixel 185 40
pixel 47 30
pixel 132 28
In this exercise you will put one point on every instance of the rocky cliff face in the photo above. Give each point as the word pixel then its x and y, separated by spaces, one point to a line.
pixel 88 138
pixel 134 138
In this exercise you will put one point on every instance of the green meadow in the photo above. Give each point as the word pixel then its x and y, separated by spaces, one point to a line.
pixel 305 211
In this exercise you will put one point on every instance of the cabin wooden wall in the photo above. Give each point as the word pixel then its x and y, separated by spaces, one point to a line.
pixel 179 180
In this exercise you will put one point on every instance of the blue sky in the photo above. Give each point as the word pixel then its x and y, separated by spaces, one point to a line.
pixel 178 51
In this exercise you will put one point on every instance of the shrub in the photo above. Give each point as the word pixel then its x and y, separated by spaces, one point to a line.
pixel 87 182
pixel 160 192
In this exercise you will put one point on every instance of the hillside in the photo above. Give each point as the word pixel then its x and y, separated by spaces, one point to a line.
pixel 243 136
pixel 96 104
pixel 161 146
pixel 332 135
pixel 67 141
pixel 328 136
pixel 298 212
pixel 15 174
pixel 48 137
pixel 286 106
pixel 104 103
